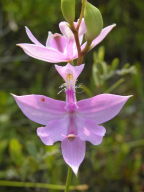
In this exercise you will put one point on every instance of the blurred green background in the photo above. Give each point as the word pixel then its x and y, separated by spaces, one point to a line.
pixel 115 66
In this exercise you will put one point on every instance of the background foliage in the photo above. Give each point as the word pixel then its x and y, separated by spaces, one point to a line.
pixel 117 165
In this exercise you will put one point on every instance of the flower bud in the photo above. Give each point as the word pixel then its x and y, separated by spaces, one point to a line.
pixel 93 20
pixel 68 10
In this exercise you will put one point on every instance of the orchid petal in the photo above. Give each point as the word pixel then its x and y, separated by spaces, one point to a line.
pixel 55 130
pixel 100 37
pixel 65 30
pixel 73 152
pixel 82 28
pixel 101 108
pixel 43 53
pixel 69 69
pixel 89 131
pixel 57 41
pixel 70 49
pixel 49 39
pixel 31 37
pixel 40 109
pixel 82 31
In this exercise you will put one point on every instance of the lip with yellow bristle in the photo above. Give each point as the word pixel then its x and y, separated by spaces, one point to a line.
pixel 69 77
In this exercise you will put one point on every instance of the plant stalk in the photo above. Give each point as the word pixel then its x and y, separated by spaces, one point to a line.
pixel 6 183
pixel 68 180
pixel 81 14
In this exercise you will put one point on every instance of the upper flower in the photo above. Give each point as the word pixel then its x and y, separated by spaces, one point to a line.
pixel 71 122
pixel 60 47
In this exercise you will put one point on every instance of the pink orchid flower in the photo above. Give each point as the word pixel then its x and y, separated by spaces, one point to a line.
pixel 71 122
pixel 60 47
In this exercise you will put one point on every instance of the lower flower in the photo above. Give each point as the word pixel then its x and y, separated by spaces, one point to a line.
pixel 71 122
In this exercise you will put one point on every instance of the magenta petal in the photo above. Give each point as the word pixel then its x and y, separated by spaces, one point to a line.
pixel 55 130
pixel 57 41
pixel 82 28
pixel 43 53
pixel 101 108
pixel 70 50
pixel 49 38
pixel 73 152
pixel 101 36
pixel 40 109
pixel 89 131
pixel 31 37
pixel 74 70
pixel 65 30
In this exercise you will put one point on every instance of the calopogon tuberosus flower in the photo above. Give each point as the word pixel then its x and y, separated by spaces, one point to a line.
pixel 60 47
pixel 72 122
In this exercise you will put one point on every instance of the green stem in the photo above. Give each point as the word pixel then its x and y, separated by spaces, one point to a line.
pixel 84 52
pixel 68 180
pixel 75 30
pixel 81 14
pixel 41 185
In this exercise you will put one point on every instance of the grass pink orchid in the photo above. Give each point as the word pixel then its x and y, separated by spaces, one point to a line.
pixel 72 122
pixel 60 47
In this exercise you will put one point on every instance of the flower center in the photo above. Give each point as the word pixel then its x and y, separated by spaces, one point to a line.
pixel 70 80
pixel 69 77
pixel 70 91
